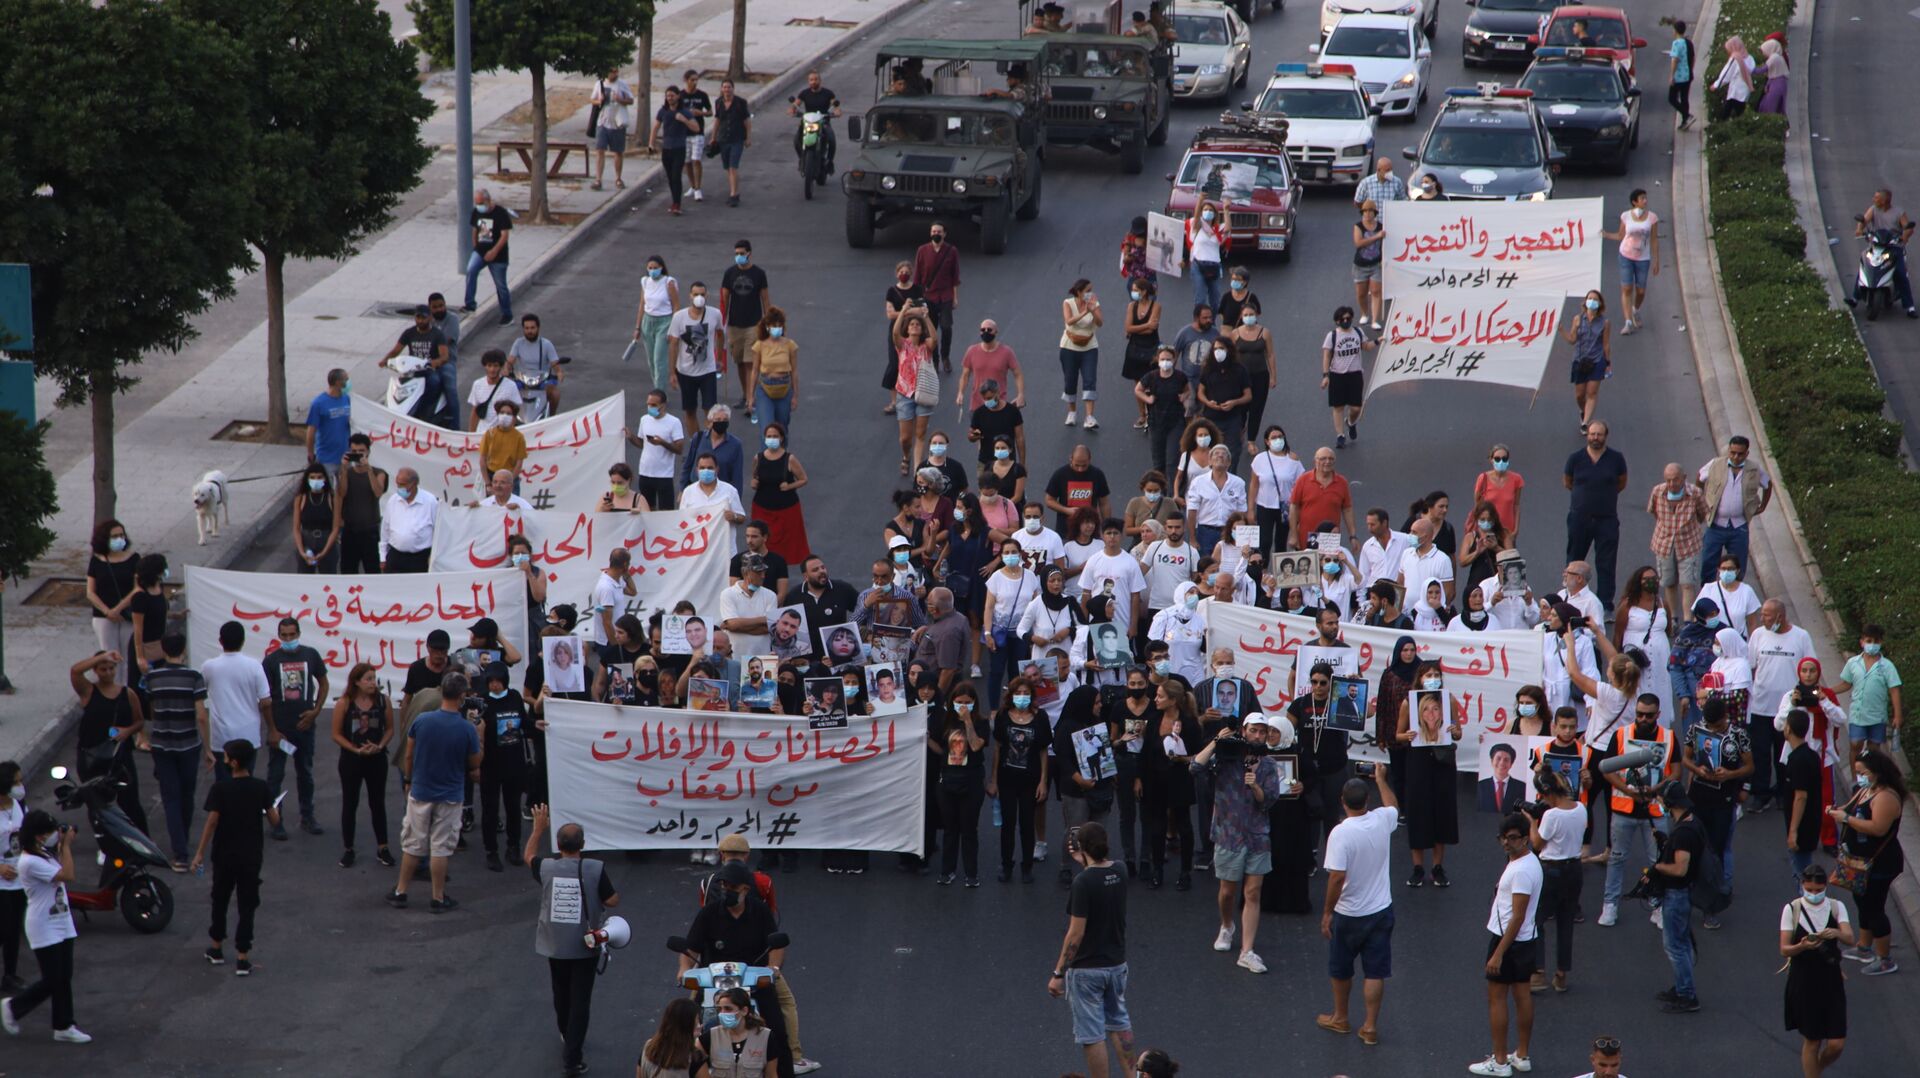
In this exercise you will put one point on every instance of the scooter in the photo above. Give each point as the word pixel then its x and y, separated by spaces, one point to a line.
pixel 408 385
pixel 813 152
pixel 1874 282
pixel 533 392
pixel 715 978
pixel 125 851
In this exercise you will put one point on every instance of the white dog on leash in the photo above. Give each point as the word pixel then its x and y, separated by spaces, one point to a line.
pixel 210 504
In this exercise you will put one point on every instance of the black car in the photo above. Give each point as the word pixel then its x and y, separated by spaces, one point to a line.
pixel 1497 31
pixel 1487 144
pixel 1591 112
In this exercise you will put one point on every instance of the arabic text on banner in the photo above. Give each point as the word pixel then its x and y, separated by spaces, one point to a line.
pixel 1504 339
pixel 1481 671
pixel 567 455
pixel 379 619
pixel 1490 248
pixel 677 554
pixel 648 778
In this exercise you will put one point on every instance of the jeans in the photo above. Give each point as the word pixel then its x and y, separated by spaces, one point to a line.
pixel 357 771
pixel 1558 903
pixel 1602 533
pixel 1204 290
pixel 1676 929
pixel 501 787
pixel 1732 541
pixel 1017 812
pixel 960 818
pixel 573 1002
pixel 446 378
pixel 1627 831
pixel 1078 372
pixel 1003 662
pixel 1797 861
pixel 176 771
pixel 55 983
pixel 227 879
pixel 302 767
pixel 476 263
pixel 653 334
pixel 1206 536
pixel 774 411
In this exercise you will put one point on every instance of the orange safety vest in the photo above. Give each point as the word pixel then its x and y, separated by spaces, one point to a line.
pixel 1621 802
pixel 1586 757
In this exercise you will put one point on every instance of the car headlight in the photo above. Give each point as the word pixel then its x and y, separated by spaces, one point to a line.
pixel 1407 9
pixel 959 187
pixel 1612 131
pixel 1333 7
pixel 1406 79
pixel 1276 220
pixel 1205 69
pixel 888 183
pixel 1474 33
pixel 1538 196
pixel 1361 150
pixel 1099 112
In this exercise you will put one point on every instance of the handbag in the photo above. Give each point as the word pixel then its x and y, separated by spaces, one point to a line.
pixel 926 383
pixel 1852 871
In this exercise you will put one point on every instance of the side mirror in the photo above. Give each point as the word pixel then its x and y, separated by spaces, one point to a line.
pixel 1633 91
pixel 1639 42
pixel 1246 106
pixel 1170 180
pixel 853 128
pixel 565 360
pixel 1376 110
pixel 1410 153
pixel 677 944
pixel 777 941
pixel 1313 50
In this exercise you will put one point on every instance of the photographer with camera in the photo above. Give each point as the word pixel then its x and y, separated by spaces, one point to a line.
pixel 1357 919
pixel 1244 783
pixel 1718 756
pixel 1554 826
pixel 45 868
pixel 1671 878
pixel 1634 801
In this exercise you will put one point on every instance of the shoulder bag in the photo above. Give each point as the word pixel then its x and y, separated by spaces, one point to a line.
pixel 1852 871
pixel 926 382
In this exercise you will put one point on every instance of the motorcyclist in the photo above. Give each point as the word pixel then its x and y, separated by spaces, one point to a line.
pixel 738 929
pixel 1882 213
pixel 816 98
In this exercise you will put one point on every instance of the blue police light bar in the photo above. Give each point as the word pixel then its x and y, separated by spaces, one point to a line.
pixel 1289 69
pixel 1549 52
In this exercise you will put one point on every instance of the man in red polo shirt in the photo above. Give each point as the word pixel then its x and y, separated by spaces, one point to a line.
pixel 936 268
pixel 1321 496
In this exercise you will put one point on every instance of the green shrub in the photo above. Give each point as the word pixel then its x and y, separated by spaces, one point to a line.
pixel 1816 391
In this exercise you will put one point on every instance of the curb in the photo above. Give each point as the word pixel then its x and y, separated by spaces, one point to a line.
pixel 1785 559
pixel 485 312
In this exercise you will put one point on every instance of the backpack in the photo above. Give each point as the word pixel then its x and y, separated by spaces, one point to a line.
pixel 1709 896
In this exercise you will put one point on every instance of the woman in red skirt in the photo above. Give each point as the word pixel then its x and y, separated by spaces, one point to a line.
pixel 777 475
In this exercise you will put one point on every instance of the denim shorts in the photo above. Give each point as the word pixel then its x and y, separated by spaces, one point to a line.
pixel 1633 271
pixel 1877 733
pixel 1232 865
pixel 1098 997
pixel 730 154
pixel 1368 938
pixel 906 409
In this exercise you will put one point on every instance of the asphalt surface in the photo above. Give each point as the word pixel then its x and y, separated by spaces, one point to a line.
pixel 1853 155
pixel 894 975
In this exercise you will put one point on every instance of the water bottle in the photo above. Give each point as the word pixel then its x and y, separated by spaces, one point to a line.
pixel 996 812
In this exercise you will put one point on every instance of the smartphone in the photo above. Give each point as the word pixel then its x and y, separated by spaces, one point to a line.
pixel 1363 769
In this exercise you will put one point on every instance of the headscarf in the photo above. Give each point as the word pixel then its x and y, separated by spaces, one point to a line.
pixel 1735 673
pixel 1404 670
pixel 1284 724
pixel 1426 616
pixel 1180 593
pixel 1054 602
pixel 1478 621
pixel 1080 710
pixel 1776 64
pixel 1779 38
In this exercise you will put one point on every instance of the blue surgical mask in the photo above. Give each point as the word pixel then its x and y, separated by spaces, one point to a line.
pixel 1277 445
pixel 18 793
pixel 1203 440
pixel 1138 296
pixel 1860 780
pixel 773 441
pixel 706 475
pixel 499 694
pixel 1502 465
pixel 1022 700
pixel 653 411
pixel 1002 453
pixel 1430 683
pixel 1249 319
pixel 1333 568
pixel 1728 576
pixel 901 557
pixel 1675 495
pixel 739 260
pixel 316 485
pixel 1206 215
pixel 289 645
pixel 852 691
pixel 520 559
pixel 1152 496
pixel 1486 525
pixel 1593 305
pixel 729 1019
pixel 407 493
pixel 117 544
pixel 1528 711
pixel 1715 622
pixel 1870 649
pixel 959 516
pixel 1813 898
pixel 653 272
pixel 776 332
pixel 1192 600
pixel 1010 560
pixel 1162 667
pixel 937 449
pixel 992 403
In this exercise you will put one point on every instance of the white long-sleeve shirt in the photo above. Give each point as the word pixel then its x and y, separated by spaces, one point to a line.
pixel 405 525
pixel 1382 561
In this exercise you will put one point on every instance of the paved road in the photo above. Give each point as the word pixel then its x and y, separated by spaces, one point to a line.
pixel 896 976
pixel 1855 152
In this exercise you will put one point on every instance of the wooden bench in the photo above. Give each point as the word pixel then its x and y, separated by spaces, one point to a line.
pixel 556 151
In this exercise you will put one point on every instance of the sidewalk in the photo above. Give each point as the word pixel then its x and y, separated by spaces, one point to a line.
pixel 166 440
pixel 1777 551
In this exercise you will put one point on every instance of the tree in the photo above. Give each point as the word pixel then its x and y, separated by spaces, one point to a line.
pixel 28 491
pixel 126 189
pixel 737 51
pixel 581 37
pixel 335 108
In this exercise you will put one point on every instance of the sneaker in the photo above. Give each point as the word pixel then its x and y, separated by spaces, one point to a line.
pixel 71 1035
pixel 1091 424
pixel 1492 1066
pixel 973 881
pixel 1251 962
pixel 1418 877
pixel 178 867
pixel 385 857
pixel 945 880
pixel 1440 876
pixel 493 862
pixel 1626 327
pixel 1353 429
pixel 1339 441
pixel 1712 923
pixel 7 1020
pixel 1072 418
pixel 1913 312
pixel 1139 424
pixel 466 820
pixel 1655 920
pixel 1224 941
pixel 215 956
pixel 1681 1005
pixel 1520 1063
pixel 11 984
pixel 526 813
pixel 1184 883
pixel 346 858
pixel 1006 873
pixel 1859 954
pixel 243 968
pixel 279 833
pixel 699 195
pixel 397 900
pixel 733 200
pixel 442 905
pixel 311 827
pixel 804 1065
pixel 694 858
pixel 1026 873
pixel 1609 915
pixel 1040 849
pixel 514 858
pixel 1880 967
pixel 1666 995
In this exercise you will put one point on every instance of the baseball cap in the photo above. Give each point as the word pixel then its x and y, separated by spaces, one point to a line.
pixel 735 873
pixel 897 542
pixel 485 627
pixel 735 844
pixel 1255 719
pixel 438 640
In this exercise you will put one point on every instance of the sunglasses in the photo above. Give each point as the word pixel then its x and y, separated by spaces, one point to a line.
pixel 1501 460
pixel 1607 1045
pixel 1317 681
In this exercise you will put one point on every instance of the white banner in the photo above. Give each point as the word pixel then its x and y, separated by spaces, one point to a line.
pixel 648 778
pixel 1496 338
pixel 1481 671
pixel 567 455
pixel 1166 244
pixel 379 619
pixel 1490 248
pixel 677 554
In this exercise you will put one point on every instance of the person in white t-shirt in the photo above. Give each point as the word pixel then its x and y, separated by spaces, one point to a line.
pixel 747 606
pixel 1814 932
pixel 611 590
pixel 239 700
pixel 13 892
pixel 45 869
pixel 1357 916
pixel 1424 561
pixel 1555 836
pixel 1513 952
pixel 1114 572
pixel 1040 544
pixel 661 439
pixel 1167 564
pixel 1775 651
pixel 1381 553
pixel 1738 602
pixel 709 489
pixel 490 389
pixel 1605 1059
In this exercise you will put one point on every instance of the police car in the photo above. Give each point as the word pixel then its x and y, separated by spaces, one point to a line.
pixel 1330 125
pixel 1487 143
pixel 1587 103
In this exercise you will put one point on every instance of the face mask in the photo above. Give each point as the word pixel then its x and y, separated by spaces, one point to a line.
pixel 1203 440
pixel 1239 286
pixel 1593 305
pixel 1153 497
pixel 706 475
pixel 773 441
pixel 903 278
pixel 1528 711
pixel 1813 898
pixel 993 403
pixel 1002 454
pixel 1138 296
pixel 1139 693
pixel 1192 601
pixel 776 332
pixel 1728 576
pixel 1486 525
pixel 407 493
pixel 719 426
pixel 1223 671
pixel 1206 215
pixel 653 411
pixel 1219 355
pixel 1022 701
pixel 901 557
pixel 730 1019
pixel 939 238
pixel 1032 524
pixel 18 793
pixel 653 272
pixel 1715 622
pixel 937 449
pixel 739 260
pixel 699 302
pixel 289 645
pixel 988 335
pixel 1870 649
pixel 1162 667
pixel 316 485
pixel 520 560
pixel 1277 445
pixel 1333 568
pixel 1430 683
pixel 1166 366
pixel 1344 323
pixel 852 691
pixel 1860 780
pixel 959 516
pixel 1502 465
pixel 117 544
pixel 751 588
pixel 1010 560
pixel 501 695
pixel 619 487
pixel 1717 652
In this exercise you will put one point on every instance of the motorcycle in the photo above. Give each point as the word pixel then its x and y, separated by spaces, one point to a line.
pixel 1874 282
pixel 813 152
pixel 712 979
pixel 533 392
pixel 408 385
pixel 125 851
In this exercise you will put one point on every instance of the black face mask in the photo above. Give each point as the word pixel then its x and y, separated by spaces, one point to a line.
pixel 988 335
pixel 720 427
pixel 1139 694
pixel 1344 323
pixel 734 897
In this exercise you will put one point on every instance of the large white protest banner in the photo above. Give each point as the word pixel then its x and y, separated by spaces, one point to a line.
pixel 648 778
pixel 567 455
pixel 1481 671
pixel 677 553
pixel 1487 249
pixel 1502 339
pixel 378 619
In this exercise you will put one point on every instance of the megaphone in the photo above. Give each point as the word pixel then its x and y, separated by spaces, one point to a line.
pixel 615 933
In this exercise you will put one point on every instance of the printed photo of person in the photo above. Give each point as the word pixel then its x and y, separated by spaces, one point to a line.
pixel 884 690
pixel 566 672
pixel 841 644
pixel 1501 789
pixel 1349 704
pixel 826 703
pixel 619 684
pixel 1110 647
pixel 695 631
pixel 673 635
pixel 1226 698
pixel 758 687
pixel 706 694
pixel 1431 728
pixel 788 633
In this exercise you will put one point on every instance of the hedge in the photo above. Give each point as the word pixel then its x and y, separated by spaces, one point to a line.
pixel 1816 391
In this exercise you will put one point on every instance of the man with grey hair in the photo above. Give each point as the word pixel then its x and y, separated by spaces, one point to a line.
pixel 575 895
pixel 490 223
pixel 943 643
pixel 1382 187
pixel 1679 512
pixel 441 757
pixel 500 493
pixel 406 525
pixel 729 456
pixel 1576 588
pixel 1776 650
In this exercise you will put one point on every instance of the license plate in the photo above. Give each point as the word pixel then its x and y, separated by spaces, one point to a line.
pixel 1180 84
pixel 1319 172
pixel 1273 243
pixel 1510 46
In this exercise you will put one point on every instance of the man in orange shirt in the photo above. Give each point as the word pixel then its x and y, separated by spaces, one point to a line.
pixel 1321 496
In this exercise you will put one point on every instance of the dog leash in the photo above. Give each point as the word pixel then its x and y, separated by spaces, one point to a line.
pixel 275 475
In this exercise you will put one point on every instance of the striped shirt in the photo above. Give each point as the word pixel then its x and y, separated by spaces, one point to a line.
pixel 1391 189
pixel 174 694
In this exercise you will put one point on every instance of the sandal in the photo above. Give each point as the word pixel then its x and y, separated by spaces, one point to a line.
pixel 1560 982
pixel 595 185
pixel 619 185
pixel 904 468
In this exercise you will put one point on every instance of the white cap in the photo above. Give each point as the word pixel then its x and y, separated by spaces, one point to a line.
pixel 1254 719
pixel 897 542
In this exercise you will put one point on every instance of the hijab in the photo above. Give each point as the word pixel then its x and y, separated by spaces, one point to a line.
pixel 1404 670
pixel 1080 710
pixel 1477 621
pixel 1731 665
pixel 1054 602
pixel 1428 617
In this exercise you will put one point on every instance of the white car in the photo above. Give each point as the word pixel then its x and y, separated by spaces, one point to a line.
pixel 1332 10
pixel 1330 125
pixel 1214 50
pixel 1391 56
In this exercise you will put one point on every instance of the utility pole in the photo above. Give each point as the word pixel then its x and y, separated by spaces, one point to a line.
pixel 463 125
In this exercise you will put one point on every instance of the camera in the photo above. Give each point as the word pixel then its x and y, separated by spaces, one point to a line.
pixel 1535 809
pixel 1231 750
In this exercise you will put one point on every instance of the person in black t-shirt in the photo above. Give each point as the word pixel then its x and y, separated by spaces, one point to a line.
pixel 423 340
pixel 1092 968
pixel 491 224
pixel 997 417
pixel 505 763
pixel 1804 800
pixel 740 929
pixel 1679 863
pixel 732 134
pixel 816 98
pixel 699 106
pixel 1718 756
pixel 1075 485
pixel 775 578
pixel 235 807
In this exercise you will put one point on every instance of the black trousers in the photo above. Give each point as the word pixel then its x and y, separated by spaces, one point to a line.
pixel 13 916
pixel 657 490
pixel 671 163
pixel 942 315
pixel 502 783
pixel 1163 439
pixel 55 983
pixel 227 880
pixel 359 550
pixel 960 817
pixel 1163 815
pixel 1677 93
pixel 408 561
pixel 1273 528
pixel 1128 764
pixel 572 1002
pixel 1017 811
pixel 1559 901
pixel 1767 772
pixel 357 771
pixel 1602 533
